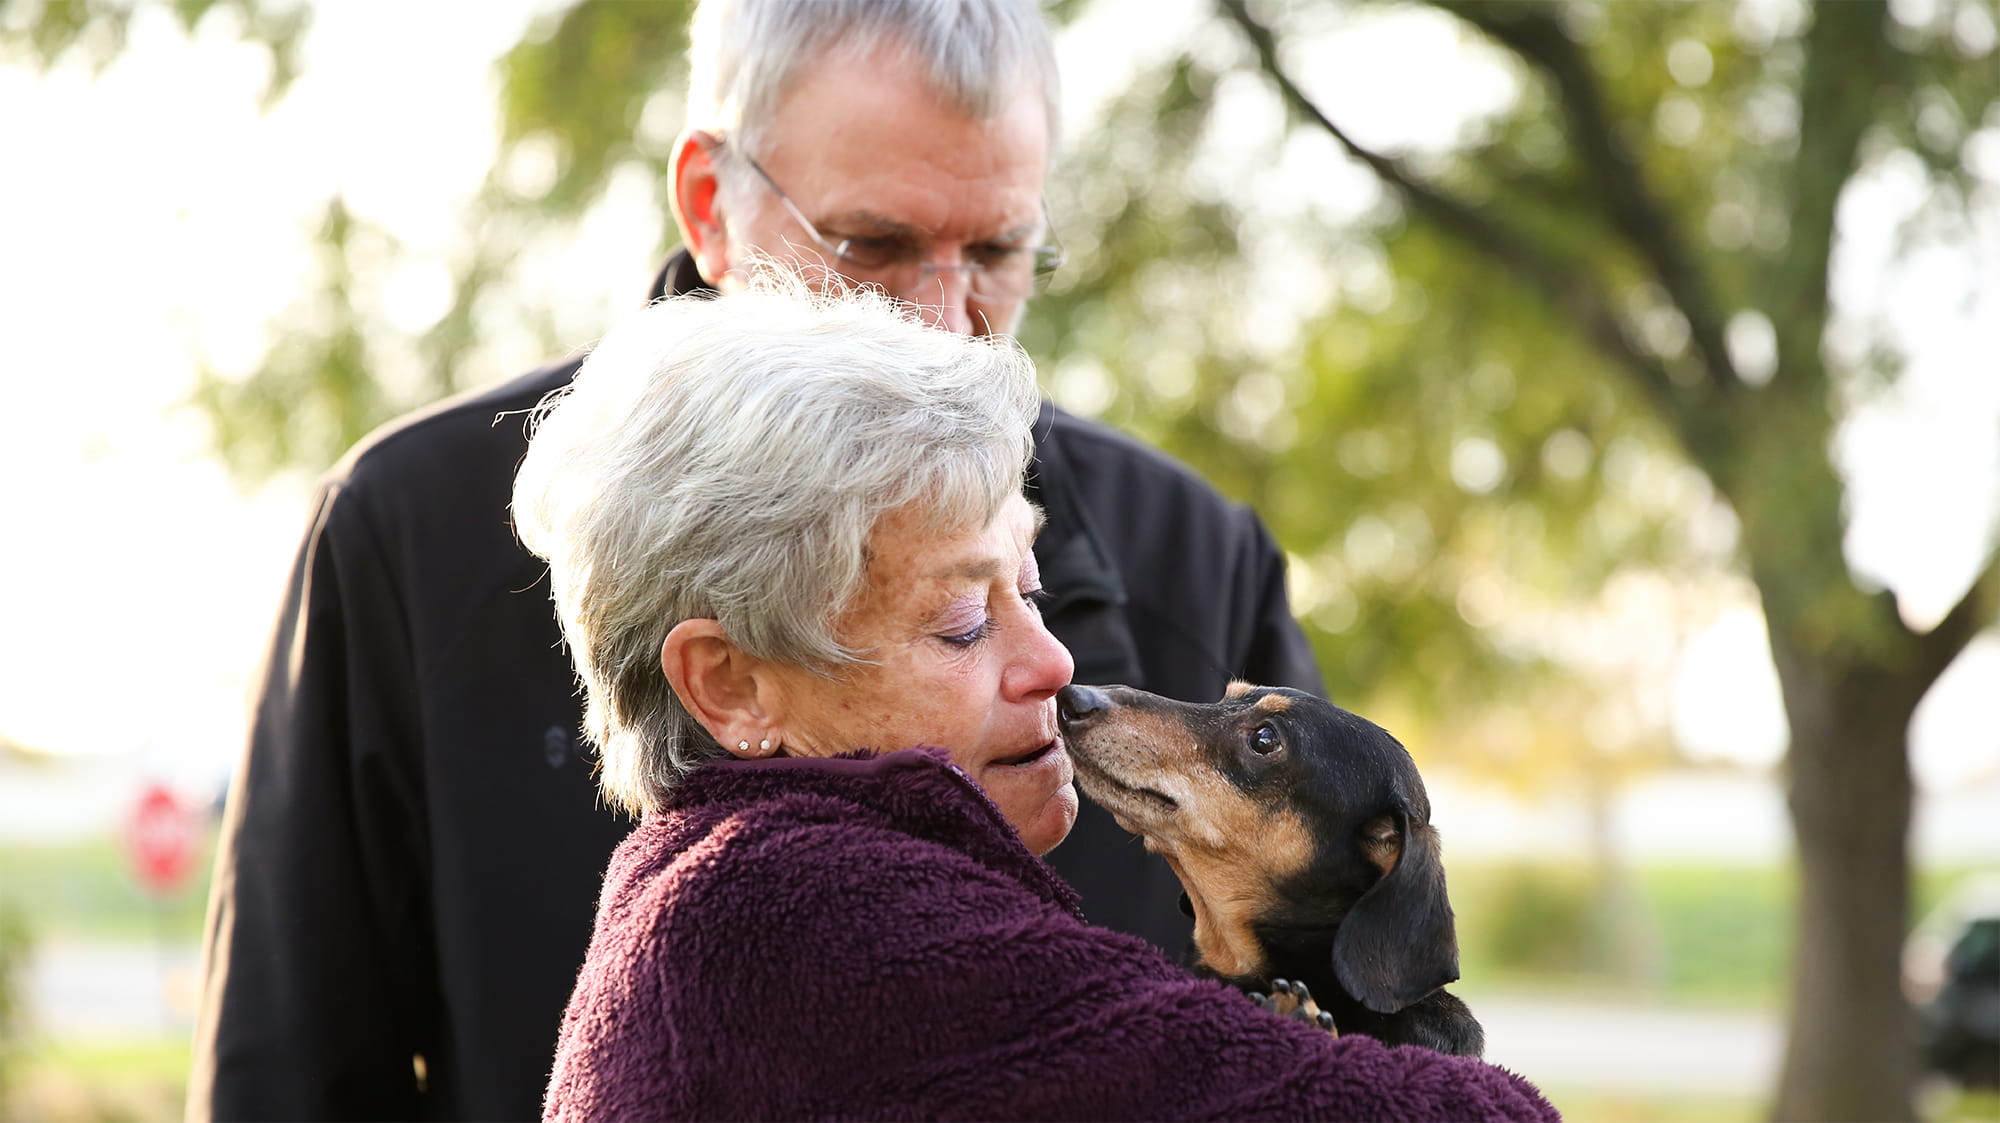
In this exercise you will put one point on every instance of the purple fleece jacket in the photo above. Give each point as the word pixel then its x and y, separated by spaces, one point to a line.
pixel 868 939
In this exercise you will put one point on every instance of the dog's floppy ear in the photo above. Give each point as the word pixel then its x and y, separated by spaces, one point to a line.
pixel 1398 942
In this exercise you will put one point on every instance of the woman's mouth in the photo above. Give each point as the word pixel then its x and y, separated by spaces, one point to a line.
pixel 1032 757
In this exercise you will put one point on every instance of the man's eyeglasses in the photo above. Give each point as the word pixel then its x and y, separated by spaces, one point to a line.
pixel 996 273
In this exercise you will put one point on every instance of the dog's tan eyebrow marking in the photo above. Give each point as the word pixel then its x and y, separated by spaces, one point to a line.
pixel 1273 703
pixel 1238 689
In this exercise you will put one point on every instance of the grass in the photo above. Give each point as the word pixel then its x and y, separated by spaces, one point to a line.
pixel 107 1081
pixel 1958 1106
pixel 85 891
pixel 1595 1105
pixel 1696 934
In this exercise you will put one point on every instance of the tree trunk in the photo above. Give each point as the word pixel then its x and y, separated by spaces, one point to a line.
pixel 1851 1054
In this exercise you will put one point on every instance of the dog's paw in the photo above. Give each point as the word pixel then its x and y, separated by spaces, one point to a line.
pixel 1293 1000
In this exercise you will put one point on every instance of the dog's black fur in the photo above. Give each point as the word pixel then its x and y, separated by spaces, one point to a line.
pixel 1302 835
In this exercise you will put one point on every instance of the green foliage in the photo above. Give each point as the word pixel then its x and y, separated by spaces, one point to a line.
pixel 319 388
pixel 1535 921
pixel 1465 413
pixel 1719 934
pixel 1439 450
pixel 103 1081
pixel 1723 932
pixel 47 32
pixel 14 948
pixel 591 89
pixel 584 81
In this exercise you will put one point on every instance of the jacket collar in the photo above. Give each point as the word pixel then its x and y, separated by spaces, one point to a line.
pixel 918 790
pixel 1072 559
pixel 678 277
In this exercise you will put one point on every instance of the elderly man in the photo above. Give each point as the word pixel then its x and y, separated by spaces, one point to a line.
pixel 413 842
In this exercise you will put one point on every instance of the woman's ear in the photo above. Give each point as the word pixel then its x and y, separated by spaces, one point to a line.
pixel 696 196
pixel 720 685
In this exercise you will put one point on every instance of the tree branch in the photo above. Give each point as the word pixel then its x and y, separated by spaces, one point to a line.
pixel 1534 33
pixel 1977 609
pixel 1572 295
pixel 1846 45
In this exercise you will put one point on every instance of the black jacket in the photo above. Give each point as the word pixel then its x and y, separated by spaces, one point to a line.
pixel 413 843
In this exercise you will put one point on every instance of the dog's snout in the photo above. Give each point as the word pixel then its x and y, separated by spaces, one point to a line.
pixel 1078 704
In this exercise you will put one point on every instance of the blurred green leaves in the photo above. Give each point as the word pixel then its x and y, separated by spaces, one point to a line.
pixel 46 32
pixel 15 944
pixel 597 85
pixel 319 387
pixel 1576 350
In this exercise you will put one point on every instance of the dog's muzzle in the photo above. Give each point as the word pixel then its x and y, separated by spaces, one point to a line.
pixel 1076 706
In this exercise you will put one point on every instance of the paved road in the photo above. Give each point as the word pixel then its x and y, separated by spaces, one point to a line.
pixel 112 990
pixel 1573 1043
pixel 81 990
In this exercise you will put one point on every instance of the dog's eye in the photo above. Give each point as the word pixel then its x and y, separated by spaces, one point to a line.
pixel 1264 740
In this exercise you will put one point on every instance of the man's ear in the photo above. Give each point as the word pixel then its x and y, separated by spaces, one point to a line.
pixel 695 192
pixel 1398 943
pixel 717 682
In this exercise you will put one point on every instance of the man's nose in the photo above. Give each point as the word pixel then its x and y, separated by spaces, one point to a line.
pixel 943 297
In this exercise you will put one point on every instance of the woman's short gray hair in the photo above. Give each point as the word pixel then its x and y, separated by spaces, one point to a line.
pixel 744 54
pixel 728 459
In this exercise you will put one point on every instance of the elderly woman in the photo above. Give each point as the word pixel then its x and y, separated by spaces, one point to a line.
pixel 789 550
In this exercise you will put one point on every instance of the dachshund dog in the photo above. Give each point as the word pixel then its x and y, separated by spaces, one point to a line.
pixel 1302 836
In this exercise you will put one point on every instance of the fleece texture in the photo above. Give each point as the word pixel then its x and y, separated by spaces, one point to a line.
pixel 869 939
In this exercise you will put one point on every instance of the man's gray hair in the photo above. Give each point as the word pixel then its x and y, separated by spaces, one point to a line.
pixel 744 54
pixel 728 459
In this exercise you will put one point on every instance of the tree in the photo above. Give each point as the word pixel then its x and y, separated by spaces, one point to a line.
pixel 1595 232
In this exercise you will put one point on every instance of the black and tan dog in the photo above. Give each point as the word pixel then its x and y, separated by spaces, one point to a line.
pixel 1302 836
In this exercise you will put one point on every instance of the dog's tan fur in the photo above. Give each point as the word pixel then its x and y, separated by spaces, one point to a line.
pixel 1301 837
pixel 1228 883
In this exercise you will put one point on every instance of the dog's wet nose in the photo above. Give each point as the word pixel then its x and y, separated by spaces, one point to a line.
pixel 1078 704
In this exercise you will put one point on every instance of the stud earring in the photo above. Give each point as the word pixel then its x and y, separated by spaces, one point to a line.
pixel 764 745
pixel 742 746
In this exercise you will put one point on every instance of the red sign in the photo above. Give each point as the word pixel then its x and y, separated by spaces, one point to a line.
pixel 160 839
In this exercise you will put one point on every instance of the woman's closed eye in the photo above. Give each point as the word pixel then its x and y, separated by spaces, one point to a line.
pixel 971 636
pixel 1032 599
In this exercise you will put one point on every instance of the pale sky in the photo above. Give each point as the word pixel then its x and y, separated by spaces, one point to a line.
pixel 153 214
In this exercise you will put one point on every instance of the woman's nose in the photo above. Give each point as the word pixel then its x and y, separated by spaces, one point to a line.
pixel 1042 666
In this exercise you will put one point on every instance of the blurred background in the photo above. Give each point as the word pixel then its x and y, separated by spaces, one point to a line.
pixel 1621 380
